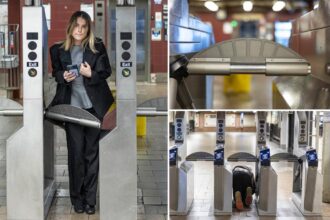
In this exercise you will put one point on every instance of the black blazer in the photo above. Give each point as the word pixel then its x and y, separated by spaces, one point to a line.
pixel 96 87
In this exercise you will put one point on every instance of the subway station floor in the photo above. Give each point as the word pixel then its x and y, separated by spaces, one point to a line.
pixel 202 207
pixel 151 166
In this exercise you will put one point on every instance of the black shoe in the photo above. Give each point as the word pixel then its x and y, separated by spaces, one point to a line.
pixel 90 209
pixel 78 208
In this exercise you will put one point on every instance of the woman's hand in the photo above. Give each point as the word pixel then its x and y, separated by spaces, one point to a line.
pixel 68 76
pixel 85 69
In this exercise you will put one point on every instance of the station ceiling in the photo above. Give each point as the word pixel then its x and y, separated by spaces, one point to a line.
pixel 259 6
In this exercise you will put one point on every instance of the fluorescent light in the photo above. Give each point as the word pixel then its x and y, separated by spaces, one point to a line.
pixel 211 6
pixel 316 5
pixel 278 5
pixel 247 5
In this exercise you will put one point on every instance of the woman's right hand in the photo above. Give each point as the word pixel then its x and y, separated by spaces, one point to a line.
pixel 68 76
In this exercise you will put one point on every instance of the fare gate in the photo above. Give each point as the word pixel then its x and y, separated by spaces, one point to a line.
pixel 30 150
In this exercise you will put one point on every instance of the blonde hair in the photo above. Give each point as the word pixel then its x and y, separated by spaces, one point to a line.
pixel 90 38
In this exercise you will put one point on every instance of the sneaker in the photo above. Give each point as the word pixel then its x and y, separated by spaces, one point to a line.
pixel 238 200
pixel 248 198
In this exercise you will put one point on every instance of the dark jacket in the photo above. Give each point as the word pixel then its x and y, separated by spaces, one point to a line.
pixel 96 87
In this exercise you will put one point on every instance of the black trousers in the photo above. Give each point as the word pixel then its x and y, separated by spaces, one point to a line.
pixel 83 162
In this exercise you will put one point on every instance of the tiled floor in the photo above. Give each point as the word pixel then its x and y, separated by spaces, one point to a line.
pixel 202 207
pixel 152 168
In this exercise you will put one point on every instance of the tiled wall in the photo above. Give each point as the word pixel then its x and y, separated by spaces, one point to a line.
pixel 158 53
pixel 61 10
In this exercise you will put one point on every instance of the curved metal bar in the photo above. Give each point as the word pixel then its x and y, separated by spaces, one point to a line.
pixel 248 55
pixel 80 121
pixel 242 156
pixel 200 156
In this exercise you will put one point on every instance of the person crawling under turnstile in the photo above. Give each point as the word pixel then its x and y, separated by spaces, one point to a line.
pixel 243 186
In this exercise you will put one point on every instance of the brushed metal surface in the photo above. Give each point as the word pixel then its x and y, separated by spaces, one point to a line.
pixel 118 162
pixel 30 151
pixel 310 34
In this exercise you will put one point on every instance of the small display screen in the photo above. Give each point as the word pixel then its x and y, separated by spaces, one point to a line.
pixel 265 157
pixel 126 36
pixel 32 36
pixel 219 156
pixel 173 156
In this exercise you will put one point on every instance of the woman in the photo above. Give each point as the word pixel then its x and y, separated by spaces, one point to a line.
pixel 81 66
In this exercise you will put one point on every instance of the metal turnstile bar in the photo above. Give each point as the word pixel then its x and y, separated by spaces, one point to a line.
pixel 80 121
pixel 142 111
pixel 271 67
pixel 60 117
pixel 11 112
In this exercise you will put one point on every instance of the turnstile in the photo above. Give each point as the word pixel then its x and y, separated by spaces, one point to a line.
pixel 223 177
pixel 266 192
pixel 118 165
pixel 181 171
pixel 307 180
pixel 242 55
pixel 30 159
pixel 30 151
pixel 266 198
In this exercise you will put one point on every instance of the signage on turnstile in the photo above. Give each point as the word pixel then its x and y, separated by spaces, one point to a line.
pixel 173 156
pixel 126 64
pixel 32 45
pixel 265 157
pixel 220 131
pixel 311 156
pixel 219 156
pixel 126 72
pixel 262 132
pixel 179 130
pixel 303 133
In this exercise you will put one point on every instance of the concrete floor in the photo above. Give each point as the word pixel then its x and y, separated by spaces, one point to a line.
pixel 152 167
pixel 202 207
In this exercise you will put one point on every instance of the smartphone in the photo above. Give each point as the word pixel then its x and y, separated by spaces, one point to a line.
pixel 73 69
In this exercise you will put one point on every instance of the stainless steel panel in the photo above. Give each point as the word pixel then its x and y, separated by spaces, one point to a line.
pixel 223 181
pixel 174 188
pixel 30 156
pixel 25 184
pixel 118 165
pixel 310 34
pixel 142 38
pixel 267 200
pixel 100 19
